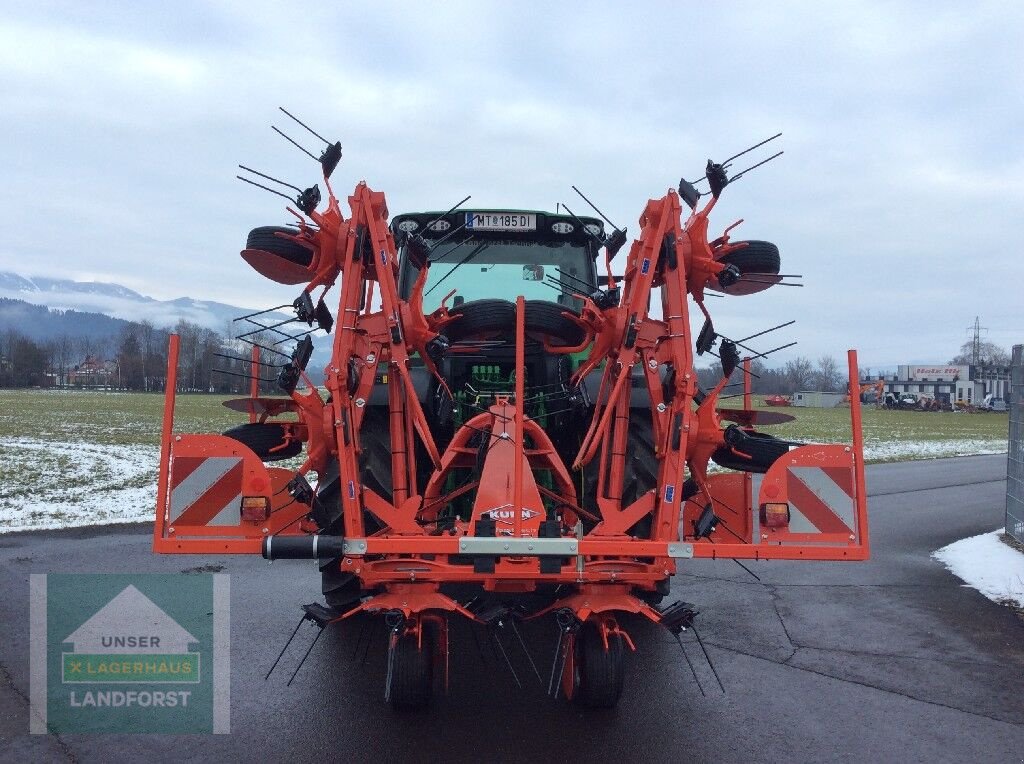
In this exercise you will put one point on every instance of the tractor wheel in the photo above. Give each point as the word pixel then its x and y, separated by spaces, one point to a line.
pixel 545 317
pixel 764 450
pixel 341 589
pixel 261 438
pixel 484 316
pixel 265 238
pixel 641 469
pixel 599 672
pixel 480 317
pixel 758 257
pixel 375 461
pixel 410 676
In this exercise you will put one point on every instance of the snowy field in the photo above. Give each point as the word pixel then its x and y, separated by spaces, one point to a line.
pixel 71 458
pixel 86 484
pixel 987 564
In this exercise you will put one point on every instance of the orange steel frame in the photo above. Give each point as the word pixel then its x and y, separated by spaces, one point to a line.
pixel 408 559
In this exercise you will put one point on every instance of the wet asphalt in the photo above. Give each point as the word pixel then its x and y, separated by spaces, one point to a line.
pixel 889 660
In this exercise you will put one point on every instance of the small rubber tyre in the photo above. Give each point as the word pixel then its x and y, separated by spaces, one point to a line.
pixel 265 238
pixel 262 438
pixel 545 317
pixel 600 673
pixel 757 257
pixel 763 449
pixel 409 681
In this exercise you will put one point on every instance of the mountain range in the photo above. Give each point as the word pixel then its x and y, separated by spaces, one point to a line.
pixel 44 309
pixel 115 301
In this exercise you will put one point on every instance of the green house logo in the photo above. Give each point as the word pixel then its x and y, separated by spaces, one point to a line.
pixel 130 640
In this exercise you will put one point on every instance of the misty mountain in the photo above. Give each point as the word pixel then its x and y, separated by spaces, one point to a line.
pixel 114 300
pixel 43 309
pixel 41 324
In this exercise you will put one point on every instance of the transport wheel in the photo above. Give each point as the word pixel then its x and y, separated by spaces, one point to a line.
pixel 764 450
pixel 757 257
pixel 261 438
pixel 599 672
pixel 410 676
pixel 265 238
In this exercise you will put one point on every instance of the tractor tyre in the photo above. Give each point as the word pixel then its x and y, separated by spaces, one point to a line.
pixel 757 258
pixel 763 449
pixel 599 672
pixel 545 317
pixel 486 316
pixel 410 676
pixel 341 589
pixel 480 317
pixel 640 473
pixel 262 438
pixel 265 238
pixel 375 461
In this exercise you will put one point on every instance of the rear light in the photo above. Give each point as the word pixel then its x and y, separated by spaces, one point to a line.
pixel 255 509
pixel 775 515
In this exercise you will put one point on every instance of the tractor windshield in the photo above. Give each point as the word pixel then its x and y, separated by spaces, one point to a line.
pixel 479 268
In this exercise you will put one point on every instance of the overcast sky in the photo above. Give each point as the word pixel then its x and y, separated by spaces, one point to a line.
pixel 899 197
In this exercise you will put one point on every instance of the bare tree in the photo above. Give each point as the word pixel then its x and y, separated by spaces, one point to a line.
pixel 989 354
pixel 826 375
pixel 799 374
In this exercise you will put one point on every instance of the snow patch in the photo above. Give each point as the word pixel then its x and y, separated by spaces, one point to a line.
pixel 61 485
pixel 900 450
pixel 987 564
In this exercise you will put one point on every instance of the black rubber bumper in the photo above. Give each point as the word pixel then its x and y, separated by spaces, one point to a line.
pixel 318 547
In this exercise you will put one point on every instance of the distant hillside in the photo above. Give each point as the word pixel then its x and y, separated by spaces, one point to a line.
pixel 40 324
pixel 116 301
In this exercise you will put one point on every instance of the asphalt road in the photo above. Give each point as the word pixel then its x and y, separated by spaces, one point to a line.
pixel 880 661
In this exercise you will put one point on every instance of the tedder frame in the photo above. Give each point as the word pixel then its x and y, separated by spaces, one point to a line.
pixel 217 496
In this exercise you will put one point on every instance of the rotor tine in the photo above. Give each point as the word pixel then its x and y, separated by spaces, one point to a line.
pixel 522 643
pixel 311 646
pixel 554 661
pixel 479 647
pixel 280 654
pixel 708 657
pixel 690 664
pixel 359 640
pixel 494 635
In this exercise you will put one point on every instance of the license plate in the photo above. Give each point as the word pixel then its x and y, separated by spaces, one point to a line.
pixel 501 221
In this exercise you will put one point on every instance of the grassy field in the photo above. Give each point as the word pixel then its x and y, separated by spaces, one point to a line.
pixel 73 458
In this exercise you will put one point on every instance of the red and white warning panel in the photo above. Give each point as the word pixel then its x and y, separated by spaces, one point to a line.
pixel 220 497
pixel 811 504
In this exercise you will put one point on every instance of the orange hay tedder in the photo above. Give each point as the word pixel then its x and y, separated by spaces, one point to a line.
pixel 539 446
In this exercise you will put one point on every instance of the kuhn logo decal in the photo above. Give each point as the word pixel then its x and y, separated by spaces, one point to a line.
pixel 507 514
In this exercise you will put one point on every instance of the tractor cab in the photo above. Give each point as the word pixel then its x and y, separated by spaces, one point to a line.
pixel 500 255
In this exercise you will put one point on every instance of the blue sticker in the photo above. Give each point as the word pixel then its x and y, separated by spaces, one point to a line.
pixel 670 493
pixel 351 489
pixel 645 266
pixel 383 257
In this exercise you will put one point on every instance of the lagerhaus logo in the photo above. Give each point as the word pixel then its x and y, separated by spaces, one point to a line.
pixel 143 653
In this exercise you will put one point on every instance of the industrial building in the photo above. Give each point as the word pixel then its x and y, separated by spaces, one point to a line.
pixel 949 383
